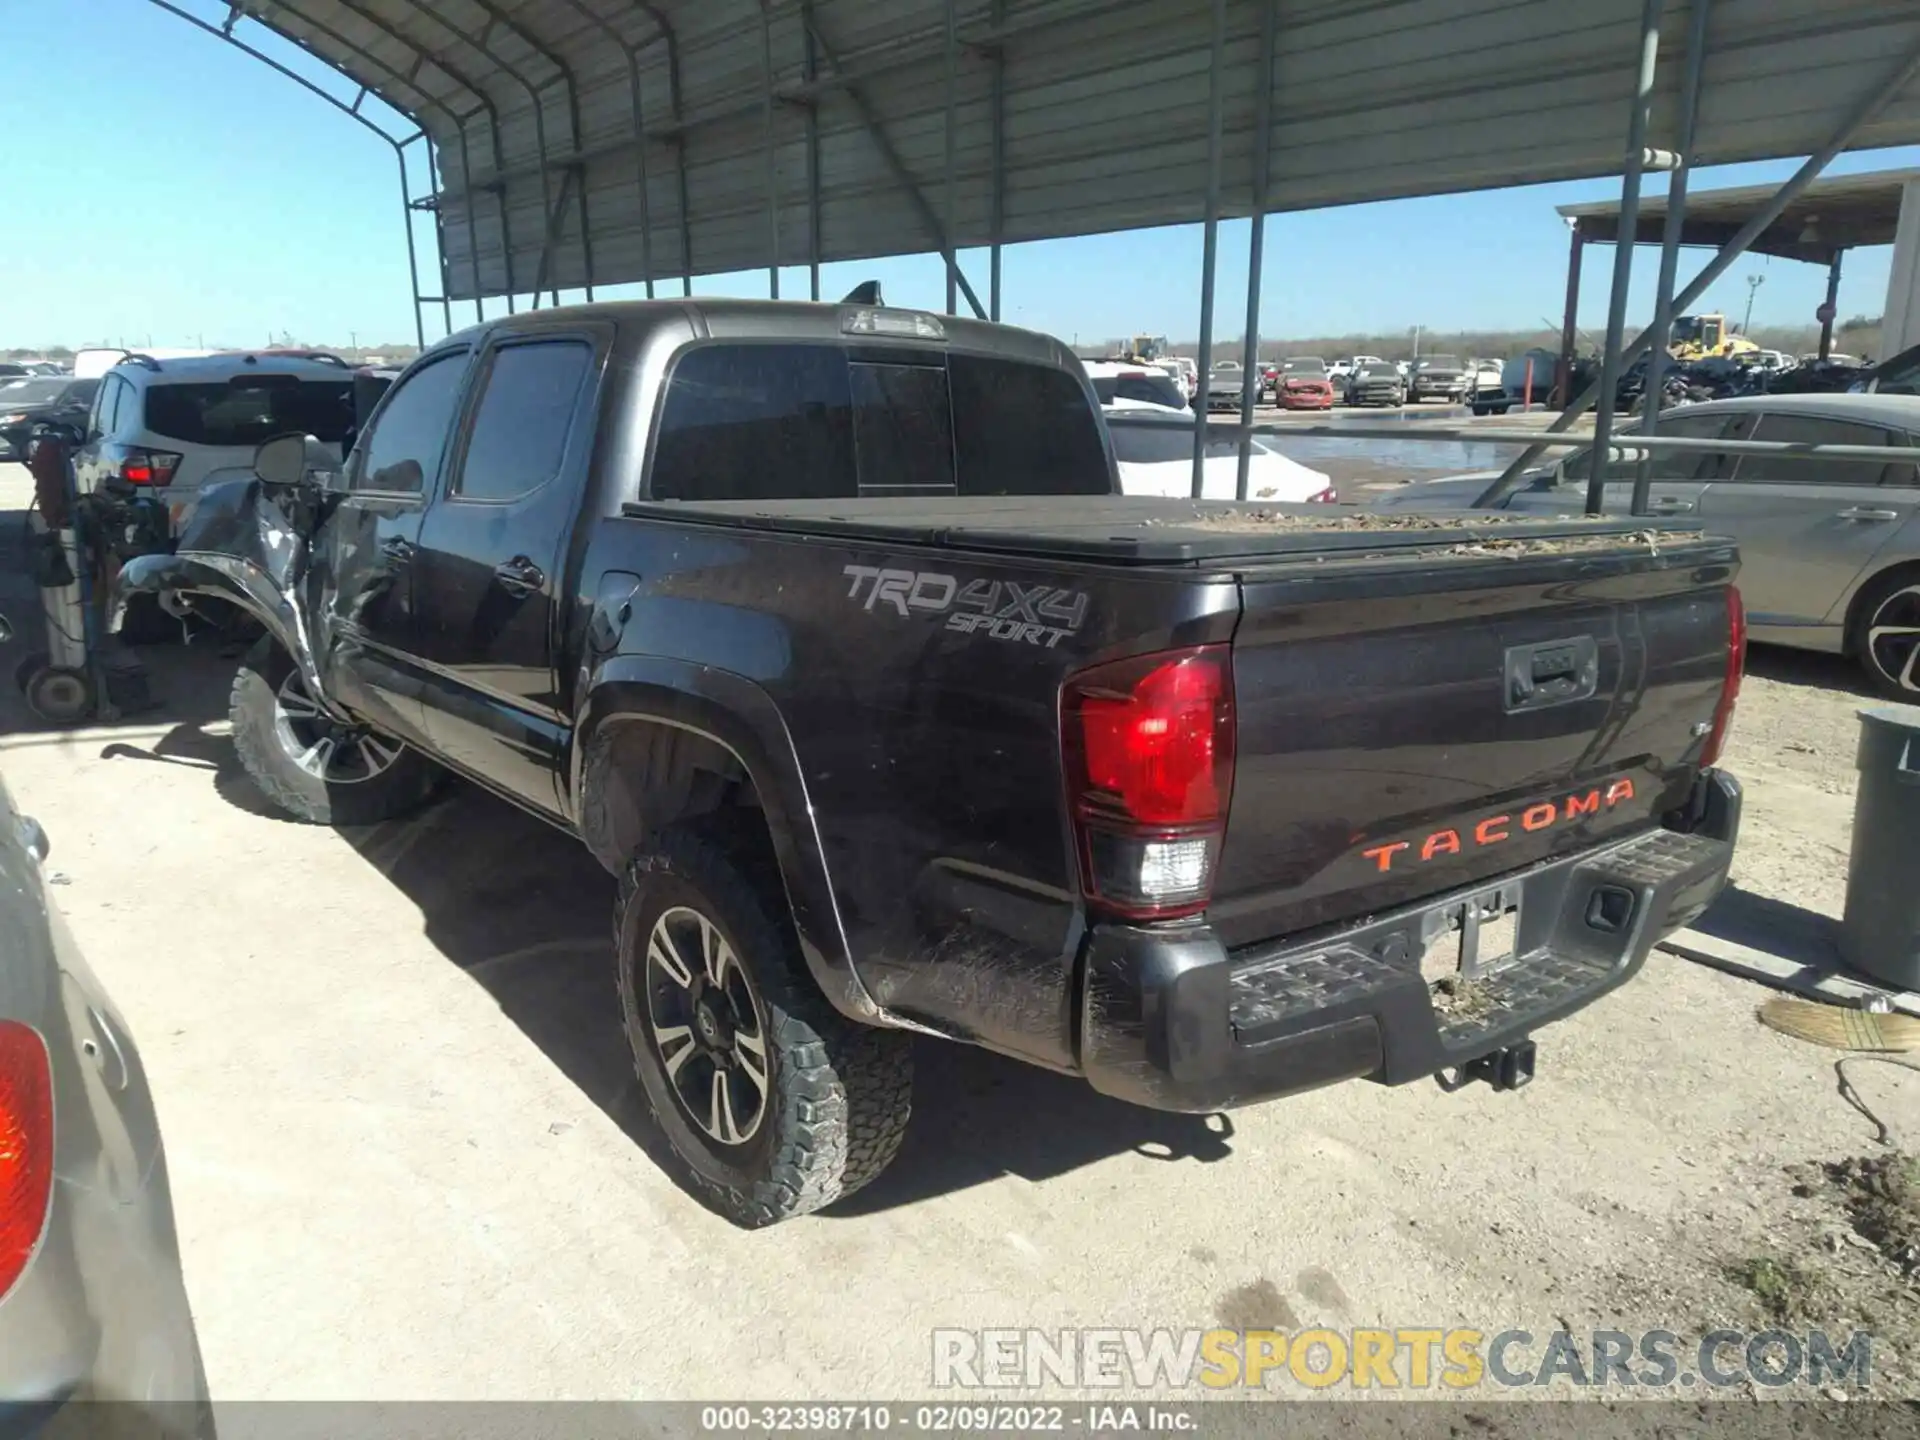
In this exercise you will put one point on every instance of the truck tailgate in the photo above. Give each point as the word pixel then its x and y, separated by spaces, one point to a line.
pixel 1406 730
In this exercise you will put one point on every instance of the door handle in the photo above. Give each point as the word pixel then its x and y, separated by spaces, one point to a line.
pixel 1865 512
pixel 397 548
pixel 519 576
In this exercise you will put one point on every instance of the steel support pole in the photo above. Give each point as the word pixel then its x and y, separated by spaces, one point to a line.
pixel 1570 319
pixel 1262 181
pixel 1210 243
pixel 997 162
pixel 440 240
pixel 1833 300
pixel 766 145
pixel 413 256
pixel 1670 234
pixel 950 197
pixel 1623 247
pixel 903 177
pixel 1736 246
pixel 810 66
pixel 552 235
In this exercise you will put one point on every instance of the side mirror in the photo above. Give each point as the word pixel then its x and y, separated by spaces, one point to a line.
pixel 282 460
pixel 6 629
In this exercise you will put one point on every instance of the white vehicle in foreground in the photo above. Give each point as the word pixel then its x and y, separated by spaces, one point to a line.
pixel 1154 450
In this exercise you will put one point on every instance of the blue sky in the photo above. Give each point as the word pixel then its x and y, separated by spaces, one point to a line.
pixel 168 190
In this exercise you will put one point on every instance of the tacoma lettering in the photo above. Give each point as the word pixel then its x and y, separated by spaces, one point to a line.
pixel 1494 829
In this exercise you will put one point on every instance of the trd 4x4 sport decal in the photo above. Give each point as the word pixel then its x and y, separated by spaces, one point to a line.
pixel 1041 615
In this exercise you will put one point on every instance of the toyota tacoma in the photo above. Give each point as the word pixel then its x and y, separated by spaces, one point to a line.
pixel 827 631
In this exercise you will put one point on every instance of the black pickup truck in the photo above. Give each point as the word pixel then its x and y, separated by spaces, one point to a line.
pixel 827 630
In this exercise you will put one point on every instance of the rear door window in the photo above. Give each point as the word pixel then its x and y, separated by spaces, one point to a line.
pixel 1814 430
pixel 242 412
pixel 520 431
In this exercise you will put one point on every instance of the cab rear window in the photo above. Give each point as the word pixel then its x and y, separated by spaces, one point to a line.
pixel 244 412
pixel 813 421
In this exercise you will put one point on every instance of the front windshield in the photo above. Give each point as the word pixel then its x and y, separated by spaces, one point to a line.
pixel 1440 362
pixel 1304 367
pixel 1381 370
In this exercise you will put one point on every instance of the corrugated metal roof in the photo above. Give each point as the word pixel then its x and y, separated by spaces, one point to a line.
pixel 1104 115
pixel 1829 216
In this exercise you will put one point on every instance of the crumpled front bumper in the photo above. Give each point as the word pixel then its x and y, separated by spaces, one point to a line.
pixel 1173 1020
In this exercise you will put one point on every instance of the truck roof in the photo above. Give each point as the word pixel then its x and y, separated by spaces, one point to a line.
pixel 723 318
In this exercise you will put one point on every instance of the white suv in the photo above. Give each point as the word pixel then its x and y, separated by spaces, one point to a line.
pixel 167 426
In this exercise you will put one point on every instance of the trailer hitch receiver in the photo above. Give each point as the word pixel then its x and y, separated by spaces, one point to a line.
pixel 1508 1068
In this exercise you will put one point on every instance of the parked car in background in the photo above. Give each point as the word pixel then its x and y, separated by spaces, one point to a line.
pixel 1829 549
pixel 1376 382
pixel 1145 384
pixel 1154 454
pixel 163 426
pixel 34 399
pixel 93 1306
pixel 1437 375
pixel 1338 372
pixel 1482 371
pixel 1189 374
pixel 1303 384
pixel 1224 385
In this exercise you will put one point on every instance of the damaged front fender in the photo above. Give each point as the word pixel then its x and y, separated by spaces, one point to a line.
pixel 246 543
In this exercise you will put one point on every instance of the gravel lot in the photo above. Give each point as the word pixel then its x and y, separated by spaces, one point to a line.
pixel 409 1161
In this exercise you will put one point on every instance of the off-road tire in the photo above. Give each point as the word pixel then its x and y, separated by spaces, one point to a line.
pixel 838 1094
pixel 404 786
pixel 1873 595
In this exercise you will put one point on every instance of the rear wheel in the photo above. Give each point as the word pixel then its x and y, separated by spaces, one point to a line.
pixel 774 1102
pixel 1886 634
pixel 311 766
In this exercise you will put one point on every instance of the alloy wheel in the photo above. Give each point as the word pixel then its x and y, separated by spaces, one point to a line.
pixel 1893 639
pixel 322 746
pixel 706 1024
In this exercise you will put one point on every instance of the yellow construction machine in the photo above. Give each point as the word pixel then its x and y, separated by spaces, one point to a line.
pixel 1695 337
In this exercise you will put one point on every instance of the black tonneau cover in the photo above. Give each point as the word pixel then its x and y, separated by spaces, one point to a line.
pixel 1150 530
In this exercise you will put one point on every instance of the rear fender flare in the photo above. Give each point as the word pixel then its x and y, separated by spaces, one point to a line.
pixel 740 717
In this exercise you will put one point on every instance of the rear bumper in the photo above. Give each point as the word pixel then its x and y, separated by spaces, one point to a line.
pixel 1172 1020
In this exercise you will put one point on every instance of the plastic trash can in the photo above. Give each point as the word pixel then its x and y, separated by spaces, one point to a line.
pixel 1880 933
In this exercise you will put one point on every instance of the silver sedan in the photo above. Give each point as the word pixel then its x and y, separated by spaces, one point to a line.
pixel 1829 549
pixel 92 1304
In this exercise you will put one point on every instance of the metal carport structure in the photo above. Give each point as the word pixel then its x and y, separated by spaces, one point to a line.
pixel 1827 219
pixel 585 143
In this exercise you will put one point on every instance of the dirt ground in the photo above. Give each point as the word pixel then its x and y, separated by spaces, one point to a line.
pixel 409 1159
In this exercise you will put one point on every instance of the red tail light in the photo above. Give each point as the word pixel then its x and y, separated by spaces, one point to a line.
pixel 149 467
pixel 1736 668
pixel 1148 744
pixel 26 1146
